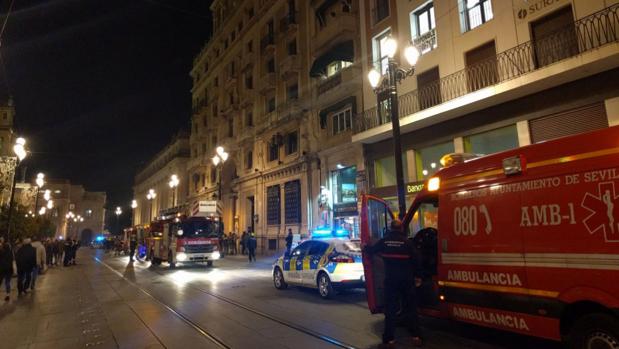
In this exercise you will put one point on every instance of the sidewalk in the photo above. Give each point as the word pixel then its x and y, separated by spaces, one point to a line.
pixel 89 306
pixel 262 261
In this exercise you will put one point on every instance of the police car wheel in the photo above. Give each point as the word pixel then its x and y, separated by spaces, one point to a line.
pixel 325 287
pixel 595 331
pixel 278 279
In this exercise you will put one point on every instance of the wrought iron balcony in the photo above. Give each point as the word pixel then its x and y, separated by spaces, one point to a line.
pixel 586 34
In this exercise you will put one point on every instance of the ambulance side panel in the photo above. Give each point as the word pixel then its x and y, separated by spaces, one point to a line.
pixel 570 223
pixel 481 271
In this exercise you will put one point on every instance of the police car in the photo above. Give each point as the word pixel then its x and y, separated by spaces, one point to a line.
pixel 325 264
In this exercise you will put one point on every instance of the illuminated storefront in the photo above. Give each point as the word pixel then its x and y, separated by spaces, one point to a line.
pixel 344 190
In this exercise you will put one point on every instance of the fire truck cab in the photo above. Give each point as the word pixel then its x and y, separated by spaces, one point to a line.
pixel 185 240
pixel 525 240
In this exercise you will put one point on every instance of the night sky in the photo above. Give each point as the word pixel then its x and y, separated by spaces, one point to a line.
pixel 100 86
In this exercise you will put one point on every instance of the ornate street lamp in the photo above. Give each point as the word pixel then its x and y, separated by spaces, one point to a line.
pixel 150 197
pixel 118 212
pixel 388 85
pixel 173 183
pixel 220 157
pixel 20 152
pixel 134 205
pixel 40 182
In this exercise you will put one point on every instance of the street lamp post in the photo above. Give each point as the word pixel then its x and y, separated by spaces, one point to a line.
pixel 388 85
pixel 150 197
pixel 134 205
pixel 20 151
pixel 173 183
pixel 220 157
pixel 40 181
pixel 118 212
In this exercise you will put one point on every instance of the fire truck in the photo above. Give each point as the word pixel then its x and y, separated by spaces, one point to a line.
pixel 181 239
pixel 526 240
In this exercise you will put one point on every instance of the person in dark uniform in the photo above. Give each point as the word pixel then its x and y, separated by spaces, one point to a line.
pixel 398 253
pixel 133 244
pixel 289 239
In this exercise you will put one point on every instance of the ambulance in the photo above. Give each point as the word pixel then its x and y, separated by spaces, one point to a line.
pixel 526 240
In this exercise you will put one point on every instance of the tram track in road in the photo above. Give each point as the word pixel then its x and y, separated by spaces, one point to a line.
pixel 218 341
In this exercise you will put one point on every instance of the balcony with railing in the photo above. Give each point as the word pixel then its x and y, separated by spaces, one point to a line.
pixel 266 83
pixel 345 25
pixel 290 65
pixel 288 25
pixel 346 80
pixel 593 32
pixel 426 41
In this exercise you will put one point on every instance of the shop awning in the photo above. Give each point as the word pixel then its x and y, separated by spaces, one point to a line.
pixel 343 51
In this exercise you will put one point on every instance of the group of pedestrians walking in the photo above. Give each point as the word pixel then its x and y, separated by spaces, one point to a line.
pixel 31 257
pixel 230 244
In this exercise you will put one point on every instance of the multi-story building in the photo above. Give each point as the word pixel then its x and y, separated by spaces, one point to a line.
pixel 7 157
pixel 492 75
pixel 156 175
pixel 70 202
pixel 277 86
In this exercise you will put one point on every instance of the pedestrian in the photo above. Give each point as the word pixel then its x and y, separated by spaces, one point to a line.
pixel 289 241
pixel 55 251
pixel 76 246
pixel 68 244
pixel 222 243
pixel 26 259
pixel 398 254
pixel 229 243
pixel 59 251
pixel 133 243
pixel 244 243
pixel 235 241
pixel 252 243
pixel 39 268
pixel 49 254
pixel 6 267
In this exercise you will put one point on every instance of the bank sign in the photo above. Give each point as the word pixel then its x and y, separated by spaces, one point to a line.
pixel 535 7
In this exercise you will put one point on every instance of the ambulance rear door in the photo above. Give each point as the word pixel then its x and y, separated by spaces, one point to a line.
pixel 376 216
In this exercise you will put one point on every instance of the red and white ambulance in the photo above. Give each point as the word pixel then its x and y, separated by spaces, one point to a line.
pixel 525 240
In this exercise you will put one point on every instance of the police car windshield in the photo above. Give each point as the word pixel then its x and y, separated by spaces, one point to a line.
pixel 199 229
pixel 350 247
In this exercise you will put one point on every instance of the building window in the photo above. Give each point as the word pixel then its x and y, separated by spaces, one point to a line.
pixel 342 121
pixel 249 119
pixel 204 121
pixel 203 148
pixel 428 159
pixel 216 82
pixel 213 175
pixel 381 10
pixel 231 128
pixel 494 141
pixel 335 67
pixel 249 160
pixel 384 171
pixel 292 143
pixel 293 92
pixel 271 66
pixel 250 46
pixel 292 47
pixel 423 24
pixel 232 36
pixel 381 60
pixel 213 141
pixel 292 204
pixel 249 81
pixel 250 12
pixel 273 205
pixel 273 151
pixel 214 110
pixel 474 13
pixel 270 105
pixel 88 213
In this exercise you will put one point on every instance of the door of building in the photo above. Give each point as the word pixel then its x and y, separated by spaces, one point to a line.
pixel 481 67
pixel 554 37
pixel 429 88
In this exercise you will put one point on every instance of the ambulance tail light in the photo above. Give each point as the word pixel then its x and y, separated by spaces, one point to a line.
pixel 434 184
pixel 340 258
